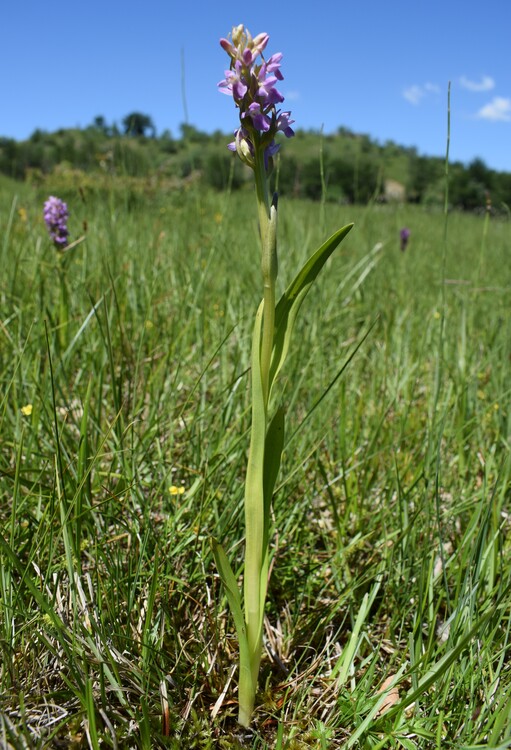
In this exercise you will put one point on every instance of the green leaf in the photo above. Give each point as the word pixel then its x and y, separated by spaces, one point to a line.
pixel 246 685
pixel 273 448
pixel 231 589
pixel 290 302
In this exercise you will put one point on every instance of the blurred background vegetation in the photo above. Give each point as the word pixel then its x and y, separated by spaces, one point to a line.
pixel 356 168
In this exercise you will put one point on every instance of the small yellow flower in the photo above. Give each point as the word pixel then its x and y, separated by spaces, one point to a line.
pixel 26 410
pixel 176 490
pixel 218 218
pixel 148 325
pixel 22 213
pixel 436 315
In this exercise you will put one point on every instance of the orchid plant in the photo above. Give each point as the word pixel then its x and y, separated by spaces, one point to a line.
pixel 251 80
pixel 56 217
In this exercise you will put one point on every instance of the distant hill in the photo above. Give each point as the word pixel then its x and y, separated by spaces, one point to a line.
pixel 343 167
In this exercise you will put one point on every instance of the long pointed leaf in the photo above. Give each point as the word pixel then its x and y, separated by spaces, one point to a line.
pixel 272 456
pixel 274 446
pixel 290 302
pixel 231 589
pixel 246 685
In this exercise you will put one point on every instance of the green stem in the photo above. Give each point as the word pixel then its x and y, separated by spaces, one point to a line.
pixel 63 306
pixel 262 192
pixel 256 522
pixel 269 267
pixel 267 338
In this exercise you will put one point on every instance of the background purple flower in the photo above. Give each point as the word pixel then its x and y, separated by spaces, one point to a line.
pixel 404 236
pixel 55 216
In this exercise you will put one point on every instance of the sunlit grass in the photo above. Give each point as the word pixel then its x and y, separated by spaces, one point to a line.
pixel 391 520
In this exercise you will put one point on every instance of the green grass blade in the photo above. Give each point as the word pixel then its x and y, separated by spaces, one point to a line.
pixel 434 673
pixel 345 662
pixel 371 716
pixel 46 608
pixel 90 711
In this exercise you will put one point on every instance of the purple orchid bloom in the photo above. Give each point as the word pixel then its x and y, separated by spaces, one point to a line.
pixel 284 124
pixel 266 91
pixel 252 86
pixel 260 121
pixel 273 65
pixel 234 82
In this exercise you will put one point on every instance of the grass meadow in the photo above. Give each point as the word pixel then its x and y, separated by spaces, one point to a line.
pixel 124 419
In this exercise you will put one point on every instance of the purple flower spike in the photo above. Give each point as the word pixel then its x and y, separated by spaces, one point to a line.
pixel 252 86
pixel 55 216
pixel 404 236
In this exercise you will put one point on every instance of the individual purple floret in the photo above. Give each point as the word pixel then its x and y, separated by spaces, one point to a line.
pixel 404 236
pixel 252 87
pixel 55 216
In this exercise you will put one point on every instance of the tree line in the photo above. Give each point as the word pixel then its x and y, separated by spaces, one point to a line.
pixel 343 167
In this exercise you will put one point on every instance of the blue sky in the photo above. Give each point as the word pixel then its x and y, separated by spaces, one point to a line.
pixel 380 68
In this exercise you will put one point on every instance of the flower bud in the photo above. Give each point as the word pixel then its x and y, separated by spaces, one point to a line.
pixel 228 47
pixel 237 35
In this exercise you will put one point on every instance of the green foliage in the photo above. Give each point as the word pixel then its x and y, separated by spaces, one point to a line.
pixel 355 166
pixel 138 125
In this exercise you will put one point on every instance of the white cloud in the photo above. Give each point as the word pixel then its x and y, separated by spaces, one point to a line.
pixel 499 109
pixel 292 96
pixel 485 84
pixel 413 94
